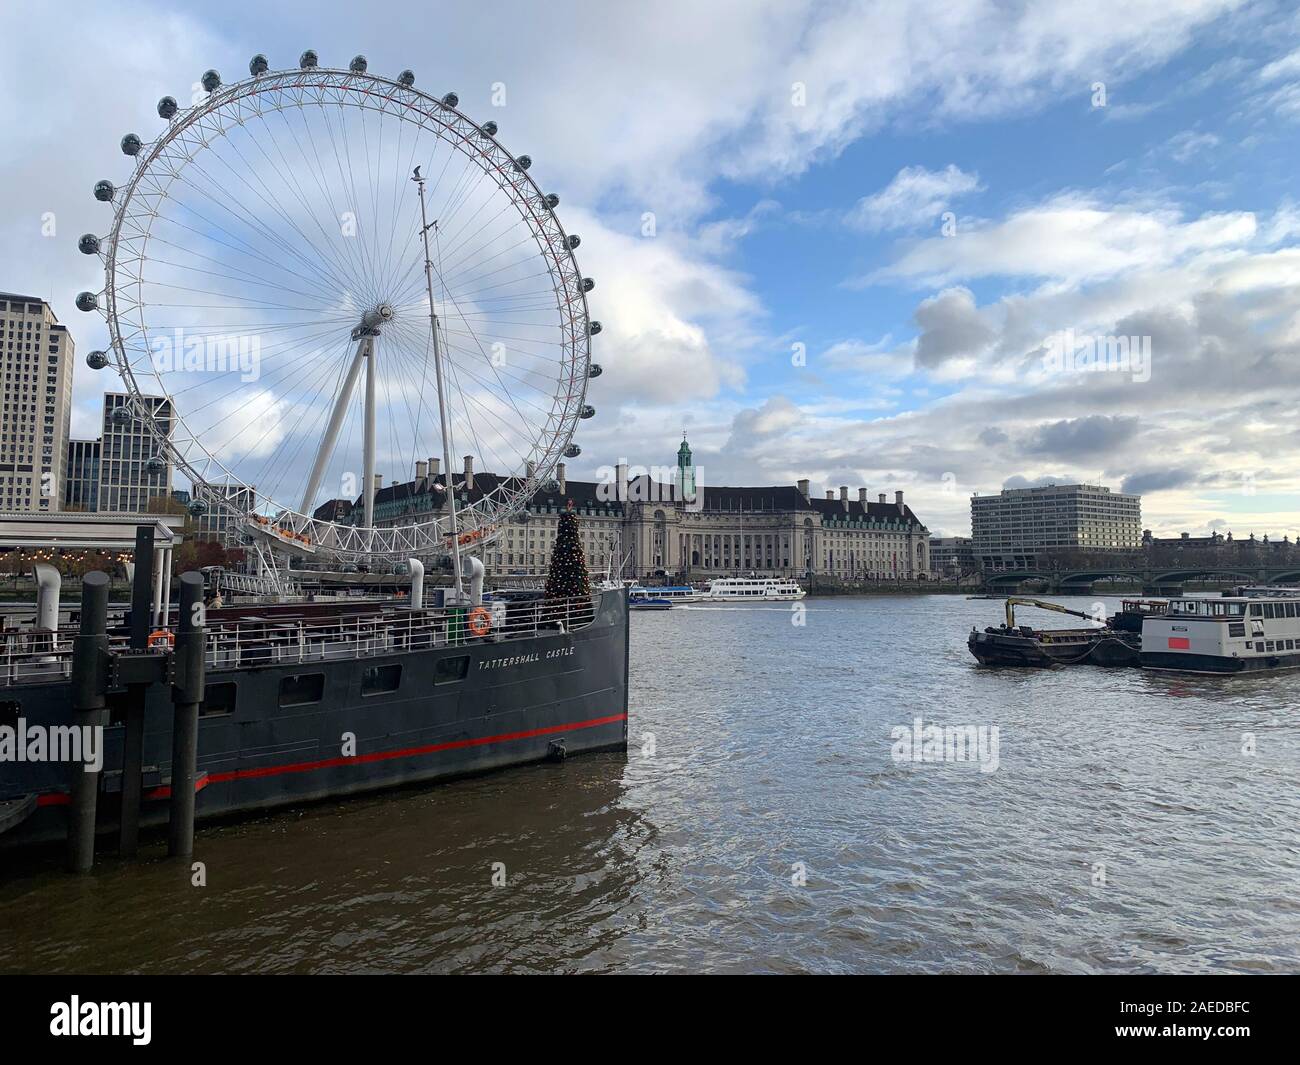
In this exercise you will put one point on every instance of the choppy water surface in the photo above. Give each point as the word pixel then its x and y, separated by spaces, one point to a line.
pixel 771 753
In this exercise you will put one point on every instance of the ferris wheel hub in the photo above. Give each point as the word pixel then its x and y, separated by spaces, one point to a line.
pixel 373 319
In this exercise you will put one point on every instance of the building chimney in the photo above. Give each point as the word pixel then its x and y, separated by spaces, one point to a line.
pixel 803 488
pixel 844 495
pixel 559 476
pixel 421 470
pixel 862 497
pixel 379 482
pixel 898 498
pixel 434 466
pixel 830 493
pixel 881 497
pixel 469 473
pixel 620 481
pixel 530 467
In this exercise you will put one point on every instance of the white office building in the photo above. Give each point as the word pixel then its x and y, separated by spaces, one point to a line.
pixel 36 355
pixel 1019 528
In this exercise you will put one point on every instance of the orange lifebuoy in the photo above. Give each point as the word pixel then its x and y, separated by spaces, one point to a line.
pixel 480 621
pixel 161 637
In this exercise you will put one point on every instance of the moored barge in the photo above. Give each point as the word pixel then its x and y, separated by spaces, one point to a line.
pixel 303 702
pixel 1010 644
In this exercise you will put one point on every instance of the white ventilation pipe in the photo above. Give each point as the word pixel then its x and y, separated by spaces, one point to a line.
pixel 417 583
pixel 476 573
pixel 48 583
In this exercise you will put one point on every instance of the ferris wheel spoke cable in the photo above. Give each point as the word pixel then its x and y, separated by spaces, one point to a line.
pixel 327 261
pixel 485 455
pixel 316 171
pixel 348 184
pixel 220 195
pixel 288 174
pixel 243 251
pixel 278 460
pixel 308 348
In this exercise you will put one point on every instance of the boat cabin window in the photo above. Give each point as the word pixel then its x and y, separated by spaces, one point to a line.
pixel 218 699
pixel 301 689
pixel 376 680
pixel 450 669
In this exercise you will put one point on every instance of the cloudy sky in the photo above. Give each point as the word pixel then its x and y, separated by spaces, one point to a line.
pixel 841 241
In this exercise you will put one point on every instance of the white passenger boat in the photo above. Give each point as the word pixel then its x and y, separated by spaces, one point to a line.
pixel 678 593
pixel 1232 634
pixel 754 589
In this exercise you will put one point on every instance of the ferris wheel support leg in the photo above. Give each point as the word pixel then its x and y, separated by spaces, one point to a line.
pixel 332 430
pixel 368 458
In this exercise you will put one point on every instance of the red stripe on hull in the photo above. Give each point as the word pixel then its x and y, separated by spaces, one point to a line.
pixel 61 798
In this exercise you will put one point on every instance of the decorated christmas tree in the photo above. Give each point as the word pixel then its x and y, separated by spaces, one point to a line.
pixel 567 577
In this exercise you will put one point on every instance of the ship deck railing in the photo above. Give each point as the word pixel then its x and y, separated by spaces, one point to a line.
pixel 32 656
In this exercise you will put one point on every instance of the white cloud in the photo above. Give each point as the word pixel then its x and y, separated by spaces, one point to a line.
pixel 1071 238
pixel 915 197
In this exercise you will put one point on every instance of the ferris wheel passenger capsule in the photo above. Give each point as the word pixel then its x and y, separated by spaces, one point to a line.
pixel 572 451
pixel 358 64
pixel 155 464
pixel 88 244
pixel 258 65
pixel 594 370
pixel 97 360
pixel 551 200
pixel 211 80
pixel 87 301
pixel 489 127
pixel 167 107
pixel 406 78
pixel 588 411
pixel 131 144
pixel 104 191
pixel 120 416
pixel 573 241
pixel 451 99
pixel 594 327
pixel 523 163
pixel 588 284
pixel 308 60
pixel 197 508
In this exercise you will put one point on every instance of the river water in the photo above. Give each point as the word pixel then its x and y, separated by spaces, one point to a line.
pixel 760 822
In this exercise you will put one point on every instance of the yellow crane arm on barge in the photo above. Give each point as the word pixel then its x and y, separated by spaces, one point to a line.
pixel 1042 604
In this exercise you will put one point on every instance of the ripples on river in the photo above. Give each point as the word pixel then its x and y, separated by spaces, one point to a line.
pixel 771 747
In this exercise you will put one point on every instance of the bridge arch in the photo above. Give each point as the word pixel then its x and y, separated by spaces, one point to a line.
pixel 1090 575
pixel 1193 572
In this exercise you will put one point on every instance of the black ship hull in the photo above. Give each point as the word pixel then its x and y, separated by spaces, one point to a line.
pixel 1181 662
pixel 275 735
pixel 1055 647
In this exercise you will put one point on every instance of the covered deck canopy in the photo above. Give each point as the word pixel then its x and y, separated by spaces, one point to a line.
pixel 108 532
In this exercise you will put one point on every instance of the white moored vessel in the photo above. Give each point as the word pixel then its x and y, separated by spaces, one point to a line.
pixel 676 593
pixel 754 589
pixel 1233 634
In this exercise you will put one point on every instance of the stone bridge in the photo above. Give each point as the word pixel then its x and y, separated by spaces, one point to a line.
pixel 1081 580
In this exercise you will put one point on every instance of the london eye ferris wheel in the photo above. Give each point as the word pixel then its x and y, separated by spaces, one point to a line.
pixel 335 276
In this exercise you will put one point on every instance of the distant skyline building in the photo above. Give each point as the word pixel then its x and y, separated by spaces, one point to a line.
pixel 213 523
pixel 951 556
pixel 81 476
pixel 1021 527
pixel 36 354
pixel 120 460
pixel 657 529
